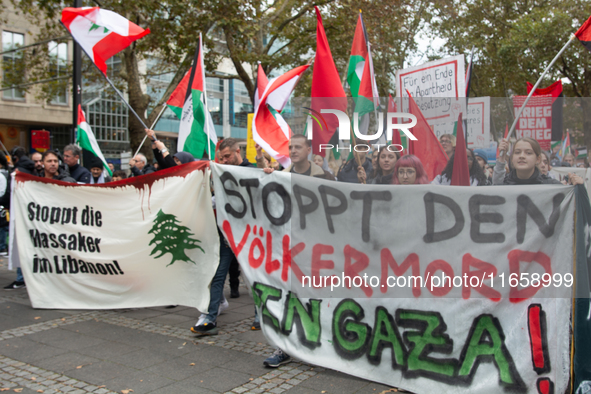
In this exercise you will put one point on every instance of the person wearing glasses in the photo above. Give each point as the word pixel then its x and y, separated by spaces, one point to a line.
pixel 409 171
pixel 448 142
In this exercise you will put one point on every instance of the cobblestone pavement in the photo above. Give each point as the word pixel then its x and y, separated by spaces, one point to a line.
pixel 147 350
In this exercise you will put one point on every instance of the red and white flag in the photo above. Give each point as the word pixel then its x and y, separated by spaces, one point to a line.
pixel 269 129
pixel 262 82
pixel 100 33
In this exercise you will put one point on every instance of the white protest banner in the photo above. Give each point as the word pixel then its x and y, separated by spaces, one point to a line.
pixel 139 242
pixel 535 120
pixel 560 173
pixel 429 289
pixel 478 119
pixel 436 88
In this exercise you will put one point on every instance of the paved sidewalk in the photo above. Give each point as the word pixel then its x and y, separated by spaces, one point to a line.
pixel 148 350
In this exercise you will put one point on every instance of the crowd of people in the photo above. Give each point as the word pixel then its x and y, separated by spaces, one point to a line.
pixel 525 164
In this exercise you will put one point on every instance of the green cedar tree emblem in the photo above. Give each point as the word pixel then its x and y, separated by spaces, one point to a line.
pixel 96 27
pixel 171 238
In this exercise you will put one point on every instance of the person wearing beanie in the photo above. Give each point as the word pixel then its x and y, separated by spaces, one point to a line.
pixel 97 171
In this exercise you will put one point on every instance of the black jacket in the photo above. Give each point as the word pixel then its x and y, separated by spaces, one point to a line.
pixel 348 171
pixel 148 169
pixel 536 179
pixel 26 165
pixel 381 180
pixel 62 175
pixel 80 174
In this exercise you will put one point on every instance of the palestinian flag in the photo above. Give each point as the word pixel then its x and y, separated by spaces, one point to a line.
pixel 100 33
pixel 190 105
pixel 86 139
pixel 584 34
pixel 360 74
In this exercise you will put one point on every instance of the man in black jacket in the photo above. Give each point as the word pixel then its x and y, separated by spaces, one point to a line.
pixel 139 166
pixel 71 157
pixel 21 160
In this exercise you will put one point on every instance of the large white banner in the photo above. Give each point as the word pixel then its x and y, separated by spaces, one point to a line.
pixel 427 288
pixel 140 242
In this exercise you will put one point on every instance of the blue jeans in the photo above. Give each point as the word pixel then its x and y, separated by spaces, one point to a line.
pixel 217 283
pixel 3 237
pixel 19 275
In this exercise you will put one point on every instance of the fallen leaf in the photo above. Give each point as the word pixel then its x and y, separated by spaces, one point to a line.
pixel 18 390
pixel 100 387
pixel 192 364
pixel 4 389
pixel 251 379
pixel 40 391
pixel 79 366
pixel 33 378
pixel 184 343
pixel 38 317
pixel 323 391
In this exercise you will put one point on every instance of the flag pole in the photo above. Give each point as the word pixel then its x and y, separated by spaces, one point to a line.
pixel 571 39
pixel 468 94
pixel 205 99
pixel 151 128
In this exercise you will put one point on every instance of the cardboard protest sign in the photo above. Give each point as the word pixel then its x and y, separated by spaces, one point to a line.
pixel 429 289
pixel 436 87
pixel 139 242
pixel 535 120
pixel 478 121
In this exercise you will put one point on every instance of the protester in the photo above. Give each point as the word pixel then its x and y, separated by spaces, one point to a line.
pixel 300 148
pixel 544 165
pixel 409 171
pixel 21 161
pixel 477 176
pixel 72 155
pixel 97 171
pixel 384 169
pixel 139 165
pixel 524 160
pixel 570 159
pixel 4 204
pixel 350 170
pixel 118 175
pixel 111 167
pixel 52 169
pixel 36 157
pixel 448 142
pixel 229 152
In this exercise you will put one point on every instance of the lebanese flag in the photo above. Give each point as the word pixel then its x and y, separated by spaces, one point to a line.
pixel 584 34
pixel 269 129
pixel 461 173
pixel 427 147
pixel 100 33
pixel 360 74
pixel 196 129
pixel 262 82
pixel 327 91
pixel 86 139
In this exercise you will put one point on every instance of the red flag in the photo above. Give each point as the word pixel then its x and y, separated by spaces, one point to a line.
pixel 584 34
pixel 327 91
pixel 396 140
pixel 427 147
pixel 461 173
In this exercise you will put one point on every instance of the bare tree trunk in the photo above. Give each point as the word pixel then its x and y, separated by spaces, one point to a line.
pixel 139 102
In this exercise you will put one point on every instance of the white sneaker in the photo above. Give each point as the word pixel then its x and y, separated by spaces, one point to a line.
pixel 223 306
